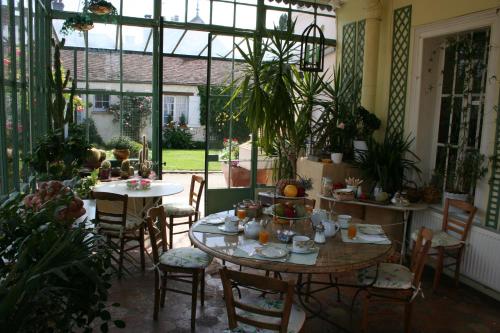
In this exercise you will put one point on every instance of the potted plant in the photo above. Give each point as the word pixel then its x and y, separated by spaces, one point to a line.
pixel 122 146
pixel 80 22
pixel 101 7
pixel 366 123
pixel 233 173
pixel 386 164
pixel 105 170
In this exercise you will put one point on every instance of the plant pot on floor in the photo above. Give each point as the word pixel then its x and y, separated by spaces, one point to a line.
pixel 121 154
pixel 337 158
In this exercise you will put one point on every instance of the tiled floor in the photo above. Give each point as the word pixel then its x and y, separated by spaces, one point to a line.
pixel 449 310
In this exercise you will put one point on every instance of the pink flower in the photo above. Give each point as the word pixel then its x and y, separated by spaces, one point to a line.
pixel 341 125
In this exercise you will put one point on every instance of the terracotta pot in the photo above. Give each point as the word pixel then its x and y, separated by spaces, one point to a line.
pixel 104 173
pixel 100 10
pixel 240 177
pixel 121 154
pixel 83 27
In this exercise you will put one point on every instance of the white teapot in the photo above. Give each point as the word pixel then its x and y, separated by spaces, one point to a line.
pixel 252 229
pixel 331 227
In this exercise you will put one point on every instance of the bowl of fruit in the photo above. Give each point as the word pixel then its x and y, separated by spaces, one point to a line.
pixel 284 212
pixel 293 188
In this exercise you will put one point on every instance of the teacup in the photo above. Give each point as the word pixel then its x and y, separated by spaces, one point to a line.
pixel 231 223
pixel 302 244
pixel 344 220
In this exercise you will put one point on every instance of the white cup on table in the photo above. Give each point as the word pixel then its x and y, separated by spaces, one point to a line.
pixel 302 244
pixel 231 223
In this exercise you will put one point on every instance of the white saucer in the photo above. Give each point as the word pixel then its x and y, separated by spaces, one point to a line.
pixel 223 228
pixel 271 252
pixel 309 251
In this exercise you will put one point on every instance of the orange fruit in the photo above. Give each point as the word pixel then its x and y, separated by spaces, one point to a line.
pixel 290 191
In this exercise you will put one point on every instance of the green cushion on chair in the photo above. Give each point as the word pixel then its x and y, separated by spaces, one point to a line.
pixel 390 276
pixel 441 238
pixel 178 209
pixel 186 257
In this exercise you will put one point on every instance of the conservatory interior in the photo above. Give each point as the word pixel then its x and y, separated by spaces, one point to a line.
pixel 250 166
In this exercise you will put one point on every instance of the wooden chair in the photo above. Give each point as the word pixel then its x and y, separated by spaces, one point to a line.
pixel 112 221
pixel 191 210
pixel 259 312
pixel 188 263
pixel 394 283
pixel 448 245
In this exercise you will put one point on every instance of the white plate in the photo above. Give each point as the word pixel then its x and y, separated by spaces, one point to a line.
pixel 223 228
pixel 309 251
pixel 213 220
pixel 271 252
pixel 367 230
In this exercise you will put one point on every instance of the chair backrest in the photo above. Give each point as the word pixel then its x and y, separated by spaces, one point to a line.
pixel 230 278
pixel 110 211
pixel 156 221
pixel 197 185
pixel 419 254
pixel 461 228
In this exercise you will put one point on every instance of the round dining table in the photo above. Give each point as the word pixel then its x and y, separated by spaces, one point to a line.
pixel 334 256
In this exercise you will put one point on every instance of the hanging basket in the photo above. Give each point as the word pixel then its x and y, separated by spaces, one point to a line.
pixel 100 10
pixel 83 27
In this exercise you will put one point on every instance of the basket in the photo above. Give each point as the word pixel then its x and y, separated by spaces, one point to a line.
pixel 431 195
pixel 343 195
pixel 413 194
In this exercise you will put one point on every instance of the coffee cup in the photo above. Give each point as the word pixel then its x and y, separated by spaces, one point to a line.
pixel 344 220
pixel 231 223
pixel 302 244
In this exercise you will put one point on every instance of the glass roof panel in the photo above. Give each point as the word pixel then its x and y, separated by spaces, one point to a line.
pixel 171 38
pixel 72 5
pixel 246 17
pixel 74 39
pixel 222 46
pixel 328 25
pixel 223 14
pixel 136 8
pixel 174 10
pixel 135 38
pixel 103 36
pixel 192 43
pixel 273 18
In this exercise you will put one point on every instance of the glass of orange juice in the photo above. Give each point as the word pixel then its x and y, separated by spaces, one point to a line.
pixel 263 236
pixel 351 231
pixel 241 212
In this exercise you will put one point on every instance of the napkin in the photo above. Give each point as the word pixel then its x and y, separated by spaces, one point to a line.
pixel 372 238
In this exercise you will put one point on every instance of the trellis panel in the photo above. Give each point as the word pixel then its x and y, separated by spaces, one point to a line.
pixel 353 48
pixel 493 210
pixel 399 70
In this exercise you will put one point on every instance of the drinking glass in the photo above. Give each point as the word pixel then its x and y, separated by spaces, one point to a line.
pixel 351 231
pixel 263 237
pixel 241 213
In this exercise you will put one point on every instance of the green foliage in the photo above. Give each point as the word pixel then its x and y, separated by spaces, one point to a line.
pixel 84 186
pixel 57 158
pixel 176 137
pixel 136 112
pixel 54 277
pixel 366 123
pixel 94 136
pixel 120 142
pixel 463 176
pixel 135 149
pixel 106 164
pixel 231 150
pixel 221 118
pixel 385 163
pixel 79 19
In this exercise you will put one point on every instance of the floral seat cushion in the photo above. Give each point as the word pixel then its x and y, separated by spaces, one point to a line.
pixel 178 209
pixel 297 316
pixel 440 238
pixel 390 276
pixel 186 257
pixel 132 223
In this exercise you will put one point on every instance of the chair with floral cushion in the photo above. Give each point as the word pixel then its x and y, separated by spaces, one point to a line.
pixel 394 283
pixel 190 211
pixel 448 243
pixel 257 313
pixel 187 263
pixel 111 220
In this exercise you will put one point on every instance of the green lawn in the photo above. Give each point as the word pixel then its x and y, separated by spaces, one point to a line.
pixel 187 160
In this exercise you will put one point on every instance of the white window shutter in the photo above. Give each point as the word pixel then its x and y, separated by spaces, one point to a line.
pixel 194 111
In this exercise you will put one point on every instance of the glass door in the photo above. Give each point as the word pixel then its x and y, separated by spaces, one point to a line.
pixel 229 166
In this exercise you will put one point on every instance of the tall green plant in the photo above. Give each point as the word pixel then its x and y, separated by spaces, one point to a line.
pixel 60 108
